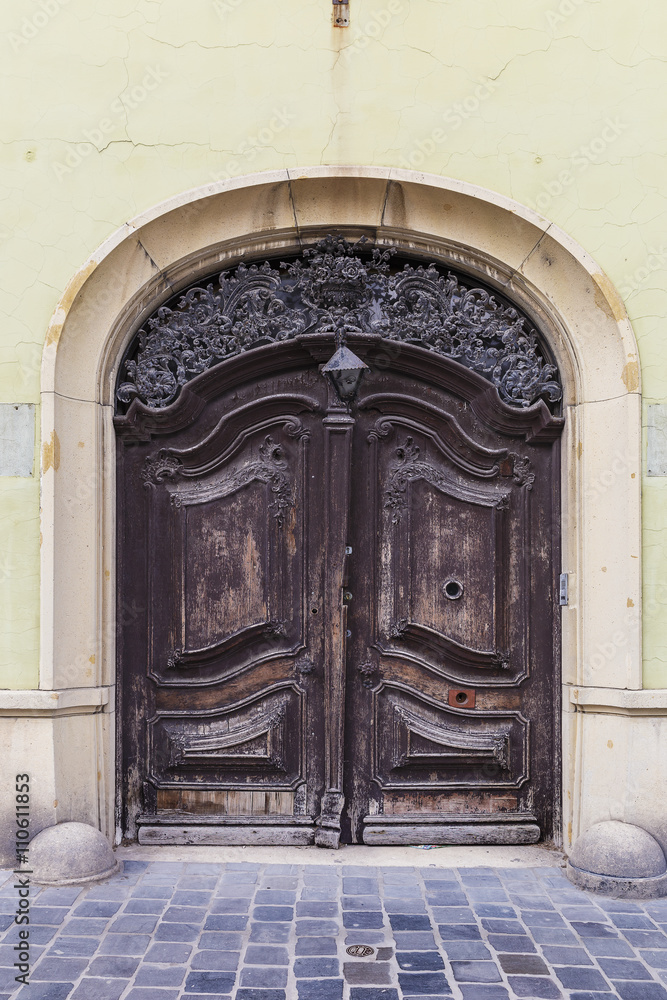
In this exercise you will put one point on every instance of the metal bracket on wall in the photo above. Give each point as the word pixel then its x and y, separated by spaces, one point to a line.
pixel 341 13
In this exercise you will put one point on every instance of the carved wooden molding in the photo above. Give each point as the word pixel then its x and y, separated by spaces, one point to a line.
pixel 337 287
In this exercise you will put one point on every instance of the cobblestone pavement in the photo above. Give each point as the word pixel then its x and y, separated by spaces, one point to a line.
pixel 171 931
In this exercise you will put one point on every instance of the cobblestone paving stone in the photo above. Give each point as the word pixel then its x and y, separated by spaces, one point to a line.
pixel 169 931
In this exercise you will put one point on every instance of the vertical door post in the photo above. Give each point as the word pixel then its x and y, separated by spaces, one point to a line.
pixel 338 425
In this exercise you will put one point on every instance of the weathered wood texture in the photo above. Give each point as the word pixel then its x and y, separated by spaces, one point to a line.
pixel 227 836
pixel 455 833
pixel 307 585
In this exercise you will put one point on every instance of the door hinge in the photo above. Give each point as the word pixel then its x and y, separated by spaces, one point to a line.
pixel 562 593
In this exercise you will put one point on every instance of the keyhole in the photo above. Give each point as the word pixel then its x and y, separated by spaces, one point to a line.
pixel 313 611
pixel 453 590
pixel 465 697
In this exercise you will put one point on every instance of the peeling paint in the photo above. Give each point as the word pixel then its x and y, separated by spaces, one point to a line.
pixel 631 603
pixel 51 454
pixel 607 298
pixel 65 304
pixel 630 376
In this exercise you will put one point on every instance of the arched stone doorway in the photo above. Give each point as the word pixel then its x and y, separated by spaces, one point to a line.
pixel 508 248
pixel 347 594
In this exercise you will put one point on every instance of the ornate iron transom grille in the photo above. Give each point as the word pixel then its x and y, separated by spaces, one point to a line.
pixel 337 287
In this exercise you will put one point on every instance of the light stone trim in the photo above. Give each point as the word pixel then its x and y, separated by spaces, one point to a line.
pixel 619 701
pixel 45 703
pixel 501 241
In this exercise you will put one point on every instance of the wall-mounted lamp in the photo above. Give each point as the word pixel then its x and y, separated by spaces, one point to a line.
pixel 341 13
pixel 345 370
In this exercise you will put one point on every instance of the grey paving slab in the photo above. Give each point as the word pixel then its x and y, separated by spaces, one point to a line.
pixel 476 972
pixel 367 973
pixel 58 969
pixel 45 991
pixel 143 993
pixel 90 988
pixel 270 933
pixel 97 908
pixel 38 935
pixel 83 927
pixel 263 977
pixel 73 947
pixel 113 967
pixel 59 896
pixel 536 989
pixel 125 944
pixel 476 991
pixel 213 960
pixel 151 975
pixel 174 954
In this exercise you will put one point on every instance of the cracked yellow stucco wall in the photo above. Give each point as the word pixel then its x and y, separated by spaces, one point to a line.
pixel 118 104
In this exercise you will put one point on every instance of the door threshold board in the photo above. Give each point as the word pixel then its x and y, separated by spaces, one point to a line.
pixel 166 818
pixel 451 828
pixel 449 819
pixel 227 834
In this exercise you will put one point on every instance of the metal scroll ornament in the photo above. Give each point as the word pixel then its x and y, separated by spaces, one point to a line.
pixel 337 288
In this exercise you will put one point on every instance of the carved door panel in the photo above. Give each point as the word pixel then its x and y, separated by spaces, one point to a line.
pixel 451 680
pixel 222 532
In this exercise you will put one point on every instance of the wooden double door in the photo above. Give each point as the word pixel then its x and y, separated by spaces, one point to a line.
pixel 338 624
